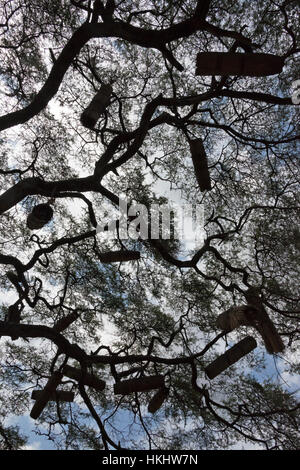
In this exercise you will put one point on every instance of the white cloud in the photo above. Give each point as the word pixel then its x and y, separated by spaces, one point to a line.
pixel 33 446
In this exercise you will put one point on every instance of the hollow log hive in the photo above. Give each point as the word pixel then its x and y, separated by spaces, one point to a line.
pixel 235 317
pixel 253 314
pixel 238 64
pixel 230 357
pixel 46 394
pixel 157 400
pixel 97 106
pixel 200 164
pixel 141 384
pixel 264 324
pixel 118 256
pixel 40 216
pixel 87 379
pixel 63 323
pixel 59 395
pixel 13 316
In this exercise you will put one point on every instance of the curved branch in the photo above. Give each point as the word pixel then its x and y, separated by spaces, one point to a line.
pixel 141 37
pixel 74 351
pixel 31 186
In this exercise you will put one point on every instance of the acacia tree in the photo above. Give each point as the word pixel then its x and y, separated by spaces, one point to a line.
pixel 156 315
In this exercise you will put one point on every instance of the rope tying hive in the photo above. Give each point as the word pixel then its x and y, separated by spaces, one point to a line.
pixel 157 400
pixel 97 106
pixel 87 379
pixel 118 256
pixel 200 164
pixel 141 384
pixel 40 216
pixel 230 357
pixel 238 64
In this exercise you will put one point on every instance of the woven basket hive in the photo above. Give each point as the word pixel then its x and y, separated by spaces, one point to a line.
pixel 40 216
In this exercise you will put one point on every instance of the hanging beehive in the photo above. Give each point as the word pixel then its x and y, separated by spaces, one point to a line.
pixel 97 106
pixel 157 400
pixel 238 64
pixel 87 379
pixel 118 256
pixel 59 395
pixel 262 322
pixel 235 317
pixel 142 384
pixel 45 395
pixel 230 357
pixel 253 315
pixel 40 216
pixel 200 164
pixel 13 316
pixel 65 322
pixel 14 279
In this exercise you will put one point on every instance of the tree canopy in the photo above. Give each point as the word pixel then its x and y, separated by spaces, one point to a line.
pixel 101 100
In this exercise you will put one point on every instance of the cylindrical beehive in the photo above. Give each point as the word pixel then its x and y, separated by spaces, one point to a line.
pixel 45 395
pixel 142 384
pixel 118 256
pixel 230 357
pixel 264 324
pixel 63 323
pixel 97 106
pixel 40 216
pixel 13 316
pixel 87 379
pixel 200 164
pixel 157 400
pixel 238 64
pixel 59 395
